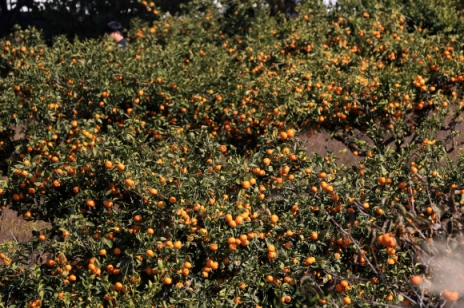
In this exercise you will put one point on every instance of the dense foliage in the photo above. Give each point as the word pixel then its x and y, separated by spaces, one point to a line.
pixel 174 172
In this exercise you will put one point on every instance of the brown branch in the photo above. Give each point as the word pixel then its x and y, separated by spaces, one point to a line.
pixel 377 273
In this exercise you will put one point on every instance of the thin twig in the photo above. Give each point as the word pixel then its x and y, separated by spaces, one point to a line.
pixel 382 279
pixel 14 237
pixel 384 305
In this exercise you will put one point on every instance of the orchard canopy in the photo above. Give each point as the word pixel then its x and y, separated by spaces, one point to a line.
pixel 176 172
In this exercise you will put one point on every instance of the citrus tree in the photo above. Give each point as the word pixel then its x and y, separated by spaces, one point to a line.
pixel 175 173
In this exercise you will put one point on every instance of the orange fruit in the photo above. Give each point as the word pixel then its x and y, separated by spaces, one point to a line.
pixel 314 236
pixel 118 286
pixel 167 280
pixel 290 133
pixel 274 218
pixel 129 182
pixel 246 184
pixel 309 260
pixel 451 296
pixel 344 283
pixel 416 280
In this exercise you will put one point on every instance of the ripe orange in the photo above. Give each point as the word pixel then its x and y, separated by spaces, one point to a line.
pixel 246 184
pixel 309 261
pixel 129 182
pixel 416 280
pixel 274 218
pixel 177 245
pixel 314 236
pixel 347 300
pixel 167 280
pixel 344 283
pixel 118 286
pixel 451 296
pixel 290 133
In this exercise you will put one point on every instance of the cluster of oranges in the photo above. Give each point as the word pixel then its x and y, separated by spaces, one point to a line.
pixel 177 174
